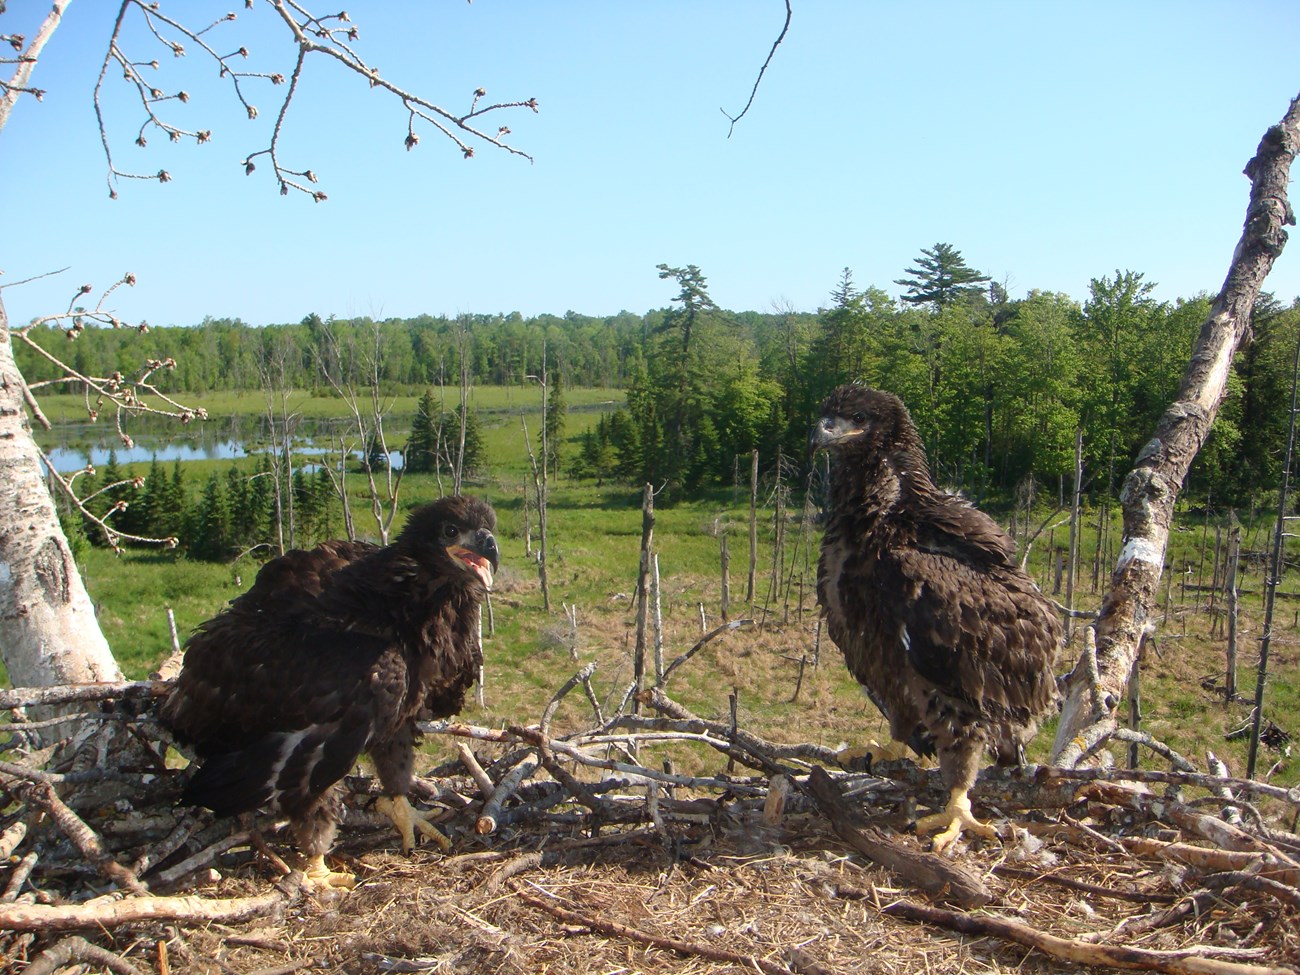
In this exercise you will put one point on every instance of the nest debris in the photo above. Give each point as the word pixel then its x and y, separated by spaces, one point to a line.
pixel 586 851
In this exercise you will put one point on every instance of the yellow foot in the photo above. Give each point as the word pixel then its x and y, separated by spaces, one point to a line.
pixel 321 877
pixel 407 820
pixel 955 818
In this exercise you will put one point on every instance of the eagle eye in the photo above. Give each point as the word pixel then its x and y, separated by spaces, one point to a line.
pixel 859 417
pixel 449 531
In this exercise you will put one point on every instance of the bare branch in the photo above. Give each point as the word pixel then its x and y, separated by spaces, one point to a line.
pixel 18 83
pixel 761 71
pixel 329 35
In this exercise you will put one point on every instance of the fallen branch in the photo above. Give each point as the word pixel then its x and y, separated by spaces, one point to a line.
pixel 75 951
pixel 197 861
pixel 488 819
pixel 1083 887
pixel 111 912
pixel 26 697
pixel 1205 858
pixel 578 790
pixel 581 677
pixel 1184 961
pixel 1222 834
pixel 934 874
pixel 757 752
pixel 475 770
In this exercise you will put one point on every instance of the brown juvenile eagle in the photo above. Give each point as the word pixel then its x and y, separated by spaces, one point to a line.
pixel 334 652
pixel 921 592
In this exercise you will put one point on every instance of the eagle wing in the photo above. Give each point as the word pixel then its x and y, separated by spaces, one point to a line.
pixel 944 525
pixel 279 703
pixel 240 664
pixel 283 728
pixel 979 632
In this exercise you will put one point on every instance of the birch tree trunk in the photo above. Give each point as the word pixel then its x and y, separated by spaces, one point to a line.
pixel 48 631
pixel 1152 486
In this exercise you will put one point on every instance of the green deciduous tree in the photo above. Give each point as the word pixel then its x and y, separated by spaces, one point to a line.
pixel 1117 319
pixel 1041 389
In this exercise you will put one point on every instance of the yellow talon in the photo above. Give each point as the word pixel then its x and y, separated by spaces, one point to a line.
pixel 321 877
pixel 406 819
pixel 955 818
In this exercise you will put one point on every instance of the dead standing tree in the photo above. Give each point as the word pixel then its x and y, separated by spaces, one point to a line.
pixel 345 365
pixel 1152 486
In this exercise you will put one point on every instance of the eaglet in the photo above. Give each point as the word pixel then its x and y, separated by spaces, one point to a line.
pixel 921 592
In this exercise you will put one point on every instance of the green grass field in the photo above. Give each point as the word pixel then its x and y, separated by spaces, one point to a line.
pixel 323 404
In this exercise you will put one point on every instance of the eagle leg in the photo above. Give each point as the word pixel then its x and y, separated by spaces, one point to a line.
pixel 321 877
pixel 407 819
pixel 955 818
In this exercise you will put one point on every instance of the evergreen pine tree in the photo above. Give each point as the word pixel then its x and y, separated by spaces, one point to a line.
pixel 149 500
pixel 86 485
pixel 420 456
pixel 373 457
pixel 323 493
pixel 243 517
pixel 209 532
pixel 172 509
pixel 625 439
pixel 941 277
pixel 304 506
pixel 473 439
pixel 261 497
pixel 556 409
pixel 112 475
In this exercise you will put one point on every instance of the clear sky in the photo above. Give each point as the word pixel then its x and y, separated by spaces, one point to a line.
pixel 1051 142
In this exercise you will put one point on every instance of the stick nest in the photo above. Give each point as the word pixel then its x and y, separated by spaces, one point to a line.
pixel 587 852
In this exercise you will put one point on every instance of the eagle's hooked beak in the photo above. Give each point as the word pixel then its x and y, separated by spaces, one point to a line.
pixel 831 430
pixel 479 553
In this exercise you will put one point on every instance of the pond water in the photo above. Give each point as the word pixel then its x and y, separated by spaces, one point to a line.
pixel 67 459
pixel 70 447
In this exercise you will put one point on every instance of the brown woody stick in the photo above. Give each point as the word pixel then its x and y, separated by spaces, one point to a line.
pixel 1083 887
pixel 1206 858
pixel 110 913
pixel 1185 961
pixel 24 697
pixel 1222 834
pixel 934 874
pixel 70 951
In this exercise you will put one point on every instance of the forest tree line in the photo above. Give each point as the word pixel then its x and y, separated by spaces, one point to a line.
pixel 998 386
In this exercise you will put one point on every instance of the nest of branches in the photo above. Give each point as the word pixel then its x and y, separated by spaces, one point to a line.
pixel 587 850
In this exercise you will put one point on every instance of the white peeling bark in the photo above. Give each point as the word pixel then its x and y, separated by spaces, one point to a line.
pixel 1152 486
pixel 48 631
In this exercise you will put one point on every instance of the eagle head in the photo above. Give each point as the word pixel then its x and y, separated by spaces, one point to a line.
pixel 859 417
pixel 456 529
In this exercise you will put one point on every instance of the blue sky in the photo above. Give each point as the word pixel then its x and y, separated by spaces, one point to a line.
pixel 1050 142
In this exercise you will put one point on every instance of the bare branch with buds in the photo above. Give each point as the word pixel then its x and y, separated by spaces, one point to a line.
pixel 332 35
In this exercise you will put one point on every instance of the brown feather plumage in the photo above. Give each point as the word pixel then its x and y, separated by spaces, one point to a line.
pixel 333 652
pixel 922 594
